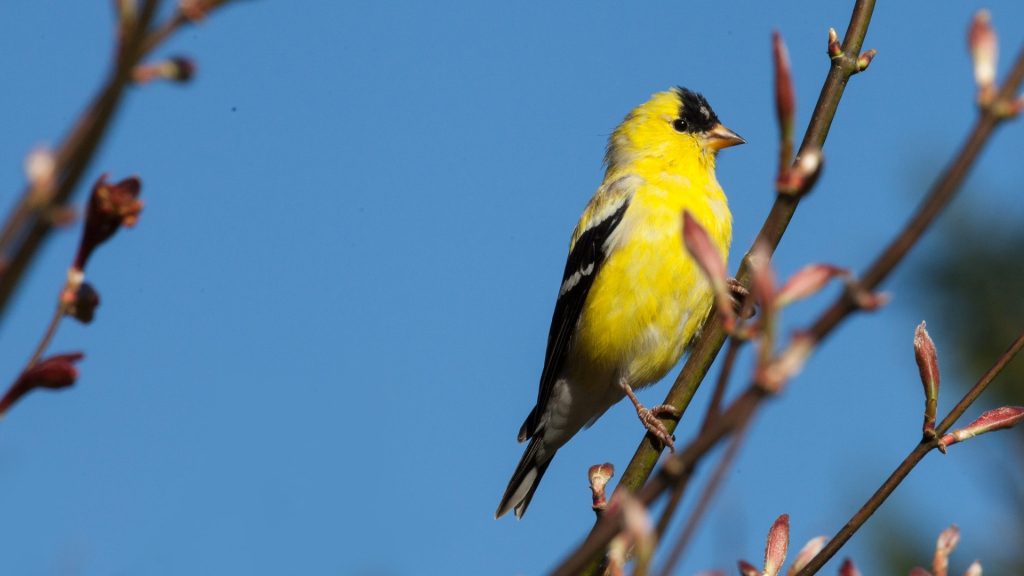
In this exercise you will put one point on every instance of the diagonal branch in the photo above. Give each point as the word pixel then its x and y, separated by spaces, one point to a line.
pixel 746 405
pixel 30 221
pixel 713 336
pixel 908 464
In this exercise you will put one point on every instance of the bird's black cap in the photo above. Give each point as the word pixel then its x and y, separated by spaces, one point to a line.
pixel 695 114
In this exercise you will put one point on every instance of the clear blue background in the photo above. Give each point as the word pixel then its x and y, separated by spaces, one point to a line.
pixel 315 350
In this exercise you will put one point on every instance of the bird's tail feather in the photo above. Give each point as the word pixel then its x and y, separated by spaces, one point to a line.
pixel 525 480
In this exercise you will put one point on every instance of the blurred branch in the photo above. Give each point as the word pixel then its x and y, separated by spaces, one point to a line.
pixel 713 411
pixel 676 467
pixel 30 222
pixel 707 496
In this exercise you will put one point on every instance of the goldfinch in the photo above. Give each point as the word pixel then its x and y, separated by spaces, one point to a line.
pixel 631 297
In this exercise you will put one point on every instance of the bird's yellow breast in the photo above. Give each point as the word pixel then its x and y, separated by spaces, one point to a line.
pixel 650 298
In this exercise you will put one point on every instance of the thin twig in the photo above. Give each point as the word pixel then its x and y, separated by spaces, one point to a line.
pixel 674 470
pixel 713 411
pixel 908 464
pixel 44 342
pixel 29 222
pixel 713 335
pixel 24 232
pixel 707 496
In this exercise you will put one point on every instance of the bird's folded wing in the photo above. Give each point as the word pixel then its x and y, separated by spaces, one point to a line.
pixel 589 250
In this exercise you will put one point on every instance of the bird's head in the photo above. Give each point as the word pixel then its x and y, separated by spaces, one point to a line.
pixel 673 126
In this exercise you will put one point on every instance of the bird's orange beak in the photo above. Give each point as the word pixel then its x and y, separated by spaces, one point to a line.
pixel 719 137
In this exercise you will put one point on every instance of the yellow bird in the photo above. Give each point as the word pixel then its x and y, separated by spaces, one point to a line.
pixel 631 297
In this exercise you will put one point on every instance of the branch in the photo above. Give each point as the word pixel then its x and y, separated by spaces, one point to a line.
pixel 31 220
pixel 746 405
pixel 706 348
pixel 916 455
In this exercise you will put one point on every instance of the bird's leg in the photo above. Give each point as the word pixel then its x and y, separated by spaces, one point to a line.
pixel 739 294
pixel 649 416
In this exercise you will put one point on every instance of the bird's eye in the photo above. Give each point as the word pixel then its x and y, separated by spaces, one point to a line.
pixel 679 124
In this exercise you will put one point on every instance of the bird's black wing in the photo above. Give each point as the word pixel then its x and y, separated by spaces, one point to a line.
pixel 585 259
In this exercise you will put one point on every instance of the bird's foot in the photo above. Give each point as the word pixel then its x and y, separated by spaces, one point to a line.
pixel 739 295
pixel 650 418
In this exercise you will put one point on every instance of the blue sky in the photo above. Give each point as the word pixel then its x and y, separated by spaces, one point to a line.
pixel 315 350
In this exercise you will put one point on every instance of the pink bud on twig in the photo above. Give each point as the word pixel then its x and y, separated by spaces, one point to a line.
pixel 787 364
pixel 110 207
pixel 785 99
pixel 599 475
pixel 944 546
pixel 984 48
pixel 928 366
pixel 918 571
pixel 835 50
pixel 806 282
pixel 848 568
pixel 864 60
pixel 177 69
pixel 710 261
pixel 41 168
pixel 809 551
pixel 636 527
pixel 998 419
pixel 54 373
pixel 799 178
pixel 747 569
pixel 863 298
pixel 777 545
pixel 974 569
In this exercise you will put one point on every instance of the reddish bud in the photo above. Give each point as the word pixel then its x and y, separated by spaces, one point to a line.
pixel 807 282
pixel 110 207
pixel 785 99
pixel 848 568
pixel 81 303
pixel 637 527
pixel 710 261
pixel 177 69
pixel 41 168
pixel 762 278
pixel 599 475
pixel 984 49
pixel 918 571
pixel 809 551
pixel 786 365
pixel 748 569
pixel 974 569
pixel 799 178
pixel 181 69
pixel 835 50
pixel 864 60
pixel 928 366
pixel 54 373
pixel 778 543
pixel 998 419
pixel 865 299
pixel 944 546
pixel 196 10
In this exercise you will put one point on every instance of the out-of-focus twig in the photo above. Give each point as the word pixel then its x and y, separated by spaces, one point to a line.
pixel 31 220
pixel 704 501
